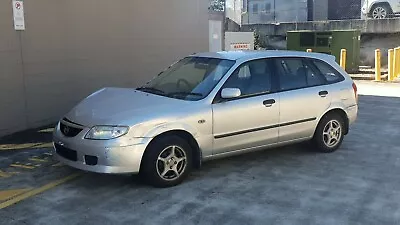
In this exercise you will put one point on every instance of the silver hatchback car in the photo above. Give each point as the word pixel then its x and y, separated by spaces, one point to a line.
pixel 207 106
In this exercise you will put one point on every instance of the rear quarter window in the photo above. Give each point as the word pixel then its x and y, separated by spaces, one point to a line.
pixel 331 75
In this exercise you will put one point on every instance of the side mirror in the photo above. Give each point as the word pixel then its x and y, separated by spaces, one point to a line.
pixel 230 93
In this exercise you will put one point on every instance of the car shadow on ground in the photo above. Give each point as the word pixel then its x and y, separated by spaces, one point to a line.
pixel 214 169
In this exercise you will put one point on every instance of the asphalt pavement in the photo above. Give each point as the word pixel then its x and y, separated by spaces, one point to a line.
pixel 358 184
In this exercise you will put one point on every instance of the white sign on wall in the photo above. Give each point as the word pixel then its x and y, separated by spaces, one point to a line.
pixel 18 13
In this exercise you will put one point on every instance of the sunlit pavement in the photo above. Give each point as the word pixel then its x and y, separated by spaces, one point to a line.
pixel 359 184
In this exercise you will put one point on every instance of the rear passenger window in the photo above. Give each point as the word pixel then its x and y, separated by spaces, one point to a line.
pixel 294 73
pixel 330 74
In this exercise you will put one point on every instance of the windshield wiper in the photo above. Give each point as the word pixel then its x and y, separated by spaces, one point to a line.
pixel 151 90
pixel 185 93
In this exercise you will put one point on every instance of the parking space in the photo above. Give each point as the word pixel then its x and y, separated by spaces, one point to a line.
pixel 293 185
pixel 27 167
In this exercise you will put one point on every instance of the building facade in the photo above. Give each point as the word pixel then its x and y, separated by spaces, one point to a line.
pixel 71 48
pixel 277 11
pixel 270 11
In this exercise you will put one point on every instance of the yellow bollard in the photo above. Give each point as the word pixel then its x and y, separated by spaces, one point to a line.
pixel 309 50
pixel 396 59
pixel 343 54
pixel 377 65
pixel 390 64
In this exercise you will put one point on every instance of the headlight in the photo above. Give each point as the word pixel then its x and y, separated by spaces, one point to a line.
pixel 106 132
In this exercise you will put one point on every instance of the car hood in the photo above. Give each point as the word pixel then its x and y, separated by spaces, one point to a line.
pixel 120 106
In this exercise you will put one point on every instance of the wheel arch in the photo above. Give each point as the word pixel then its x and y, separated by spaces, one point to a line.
pixel 197 154
pixel 342 113
pixel 377 3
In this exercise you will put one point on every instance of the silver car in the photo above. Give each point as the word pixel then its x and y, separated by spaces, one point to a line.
pixel 207 106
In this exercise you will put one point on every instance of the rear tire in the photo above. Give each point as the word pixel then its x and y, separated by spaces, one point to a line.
pixel 329 134
pixel 381 11
pixel 166 162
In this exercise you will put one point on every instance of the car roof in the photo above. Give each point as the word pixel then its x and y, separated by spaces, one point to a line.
pixel 253 54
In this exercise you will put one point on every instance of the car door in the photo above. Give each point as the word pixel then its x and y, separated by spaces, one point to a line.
pixel 251 119
pixel 304 97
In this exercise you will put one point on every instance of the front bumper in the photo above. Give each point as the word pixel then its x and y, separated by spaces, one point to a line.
pixel 111 157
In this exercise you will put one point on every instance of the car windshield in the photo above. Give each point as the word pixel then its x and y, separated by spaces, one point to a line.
pixel 192 78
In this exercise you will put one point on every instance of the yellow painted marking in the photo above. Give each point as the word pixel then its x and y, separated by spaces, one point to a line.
pixel 48 130
pixel 4 174
pixel 45 145
pixel 38 160
pixel 36 191
pixel 22 166
pixel 58 164
pixel 18 146
pixel 49 154
pixel 7 174
pixel 25 146
pixel 9 194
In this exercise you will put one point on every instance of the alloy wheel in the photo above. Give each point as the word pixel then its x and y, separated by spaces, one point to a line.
pixel 332 133
pixel 379 13
pixel 171 163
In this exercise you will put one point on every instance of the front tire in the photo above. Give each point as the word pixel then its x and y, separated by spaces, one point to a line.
pixel 329 134
pixel 166 162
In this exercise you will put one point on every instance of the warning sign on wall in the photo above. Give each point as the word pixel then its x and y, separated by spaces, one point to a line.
pixel 240 46
pixel 18 13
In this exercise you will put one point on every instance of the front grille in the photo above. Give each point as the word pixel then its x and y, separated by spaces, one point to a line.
pixel 66 152
pixel 69 131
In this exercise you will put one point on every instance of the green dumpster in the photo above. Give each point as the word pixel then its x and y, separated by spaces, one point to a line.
pixel 329 42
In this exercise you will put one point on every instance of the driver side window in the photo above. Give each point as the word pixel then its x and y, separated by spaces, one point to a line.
pixel 251 78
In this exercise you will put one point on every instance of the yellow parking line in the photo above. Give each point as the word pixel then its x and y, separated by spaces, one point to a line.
pixel 38 160
pixel 9 194
pixel 36 191
pixel 45 145
pixel 4 174
pixel 7 174
pixel 58 164
pixel 22 166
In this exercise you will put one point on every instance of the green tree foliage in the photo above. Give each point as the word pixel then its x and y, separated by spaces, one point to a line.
pixel 217 5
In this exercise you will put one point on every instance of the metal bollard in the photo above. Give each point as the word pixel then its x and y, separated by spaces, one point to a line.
pixel 309 50
pixel 390 64
pixel 396 59
pixel 377 65
pixel 343 55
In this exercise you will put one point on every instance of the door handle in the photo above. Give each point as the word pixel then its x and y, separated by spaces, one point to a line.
pixel 323 93
pixel 269 102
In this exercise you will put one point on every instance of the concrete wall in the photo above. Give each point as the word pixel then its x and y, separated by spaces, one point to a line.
pixel 369 42
pixel 72 48
pixel 370 26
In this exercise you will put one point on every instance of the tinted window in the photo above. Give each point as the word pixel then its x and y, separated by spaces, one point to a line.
pixel 294 73
pixel 251 78
pixel 330 74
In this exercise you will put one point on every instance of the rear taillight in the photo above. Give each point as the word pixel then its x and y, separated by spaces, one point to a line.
pixel 355 91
